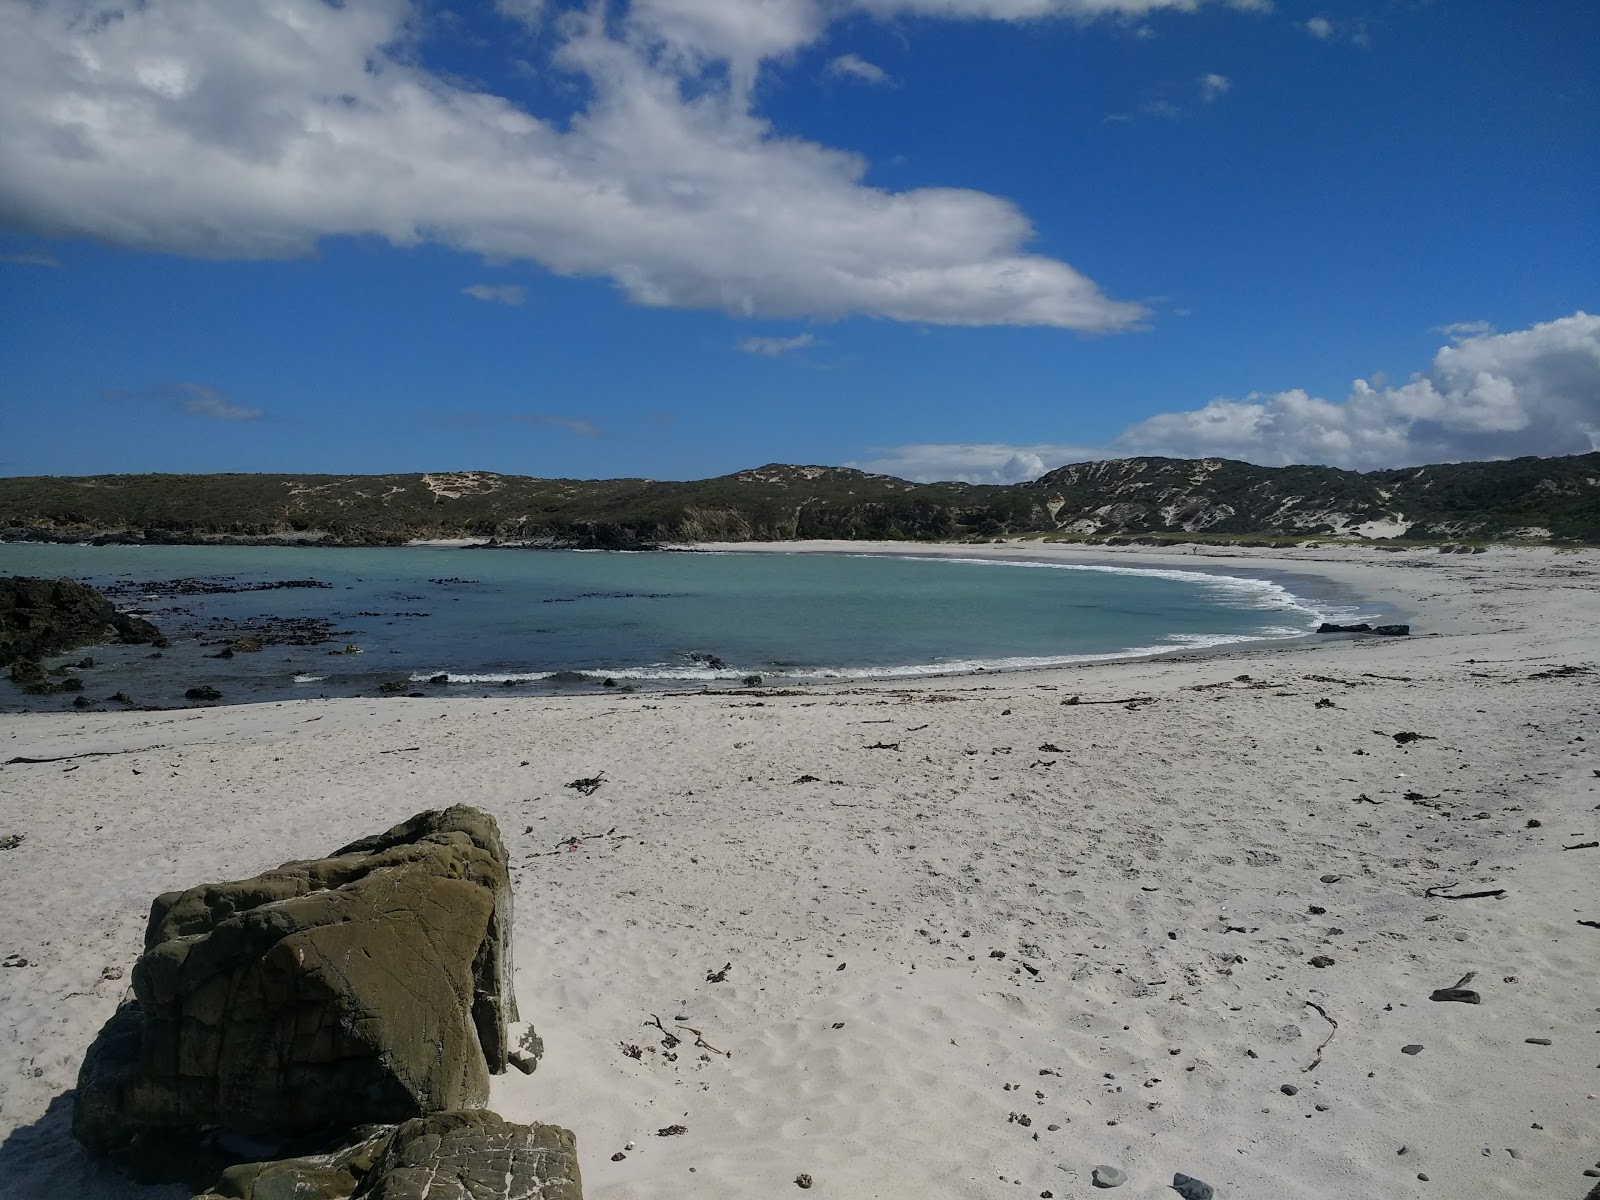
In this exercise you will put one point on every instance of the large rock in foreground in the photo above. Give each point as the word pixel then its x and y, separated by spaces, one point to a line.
pixel 448 1156
pixel 40 617
pixel 371 986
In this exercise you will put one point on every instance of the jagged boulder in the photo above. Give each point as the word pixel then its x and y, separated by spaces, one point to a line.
pixel 40 617
pixel 447 1156
pixel 371 986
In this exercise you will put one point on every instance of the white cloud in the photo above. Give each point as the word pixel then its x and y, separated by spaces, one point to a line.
pixel 497 293
pixel 1534 391
pixel 772 347
pixel 1213 85
pixel 988 462
pixel 1487 396
pixel 853 66
pixel 525 12
pixel 196 399
pixel 1320 27
pixel 256 128
pixel 1460 331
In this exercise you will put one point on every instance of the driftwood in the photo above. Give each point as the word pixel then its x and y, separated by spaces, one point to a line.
pixel 1317 1062
pixel 20 759
pixel 1437 893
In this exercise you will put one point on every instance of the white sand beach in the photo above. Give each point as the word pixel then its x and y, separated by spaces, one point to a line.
pixel 979 938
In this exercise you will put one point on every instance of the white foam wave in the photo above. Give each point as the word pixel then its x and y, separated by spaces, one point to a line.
pixel 309 678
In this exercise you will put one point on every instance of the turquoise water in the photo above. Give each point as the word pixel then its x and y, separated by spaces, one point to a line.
pixel 487 617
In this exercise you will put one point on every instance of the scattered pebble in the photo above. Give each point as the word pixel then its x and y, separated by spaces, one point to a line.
pixel 1108 1177
pixel 1537 1041
pixel 1192 1189
pixel 1412 1049
pixel 618 1156
pixel 1322 960
pixel 802 1180
pixel 1289 1089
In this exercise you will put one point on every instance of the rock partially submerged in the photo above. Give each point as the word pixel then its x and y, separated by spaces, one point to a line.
pixel 41 617
pixel 369 987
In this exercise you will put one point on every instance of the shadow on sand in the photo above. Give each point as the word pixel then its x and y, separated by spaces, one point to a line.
pixel 43 1161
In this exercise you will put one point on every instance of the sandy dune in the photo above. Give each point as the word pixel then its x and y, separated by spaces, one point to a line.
pixel 997 939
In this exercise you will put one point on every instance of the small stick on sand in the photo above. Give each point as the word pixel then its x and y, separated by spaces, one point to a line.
pixel 10 762
pixel 1437 893
pixel 1317 1062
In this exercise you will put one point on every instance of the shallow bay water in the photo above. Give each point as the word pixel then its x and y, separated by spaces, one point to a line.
pixel 518 618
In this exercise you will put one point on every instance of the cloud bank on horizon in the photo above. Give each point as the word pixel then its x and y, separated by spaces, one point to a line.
pixel 255 129
pixel 1535 391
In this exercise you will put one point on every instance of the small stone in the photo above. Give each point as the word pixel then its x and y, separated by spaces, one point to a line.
pixel 1322 960
pixel 1053 1128
pixel 1289 1089
pixel 111 973
pixel 1412 1049
pixel 802 1180
pixel 1537 1041
pixel 1592 1173
pixel 1317 910
pixel 618 1156
pixel 1322 1108
pixel 1108 1177
pixel 1192 1189
pixel 1422 1177
pixel 1332 878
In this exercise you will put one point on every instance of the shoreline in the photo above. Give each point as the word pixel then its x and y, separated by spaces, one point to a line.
pixel 1314 583
pixel 879 862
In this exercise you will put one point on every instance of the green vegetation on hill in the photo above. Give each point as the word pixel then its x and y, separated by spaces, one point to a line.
pixel 1217 499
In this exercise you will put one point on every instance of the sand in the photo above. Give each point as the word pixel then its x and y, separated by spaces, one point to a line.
pixel 998 939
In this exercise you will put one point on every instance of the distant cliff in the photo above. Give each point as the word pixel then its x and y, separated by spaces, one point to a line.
pixel 1217 499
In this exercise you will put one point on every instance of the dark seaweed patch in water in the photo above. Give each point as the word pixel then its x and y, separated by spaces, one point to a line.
pixel 609 596
pixel 268 630
pixel 214 585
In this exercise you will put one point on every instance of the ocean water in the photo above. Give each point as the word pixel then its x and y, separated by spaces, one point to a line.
pixel 564 620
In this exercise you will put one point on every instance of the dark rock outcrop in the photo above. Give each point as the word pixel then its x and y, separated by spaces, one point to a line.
pixel 1330 627
pixel 204 692
pixel 41 617
pixel 1392 630
pixel 372 986
pixel 454 1156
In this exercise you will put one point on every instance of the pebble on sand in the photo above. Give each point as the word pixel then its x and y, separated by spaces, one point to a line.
pixel 1108 1177
pixel 1192 1189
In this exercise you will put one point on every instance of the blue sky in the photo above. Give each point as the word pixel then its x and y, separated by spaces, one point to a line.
pixel 676 238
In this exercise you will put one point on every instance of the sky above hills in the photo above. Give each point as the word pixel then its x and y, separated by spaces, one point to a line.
pixel 673 238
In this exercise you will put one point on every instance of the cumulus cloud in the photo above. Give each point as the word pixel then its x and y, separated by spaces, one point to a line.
pixel 497 293
pixel 1213 85
pixel 1486 396
pixel 1534 391
pixel 772 347
pixel 195 399
pixel 254 129
pixel 1320 27
pixel 987 462
pixel 853 66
